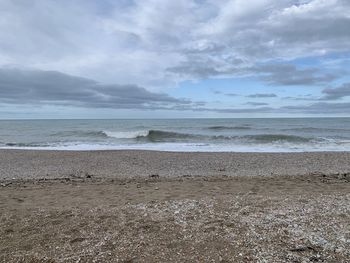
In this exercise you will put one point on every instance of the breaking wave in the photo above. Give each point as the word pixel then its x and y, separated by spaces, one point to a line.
pixel 162 136
pixel 102 134
pixel 321 134
pixel 150 136
pixel 126 134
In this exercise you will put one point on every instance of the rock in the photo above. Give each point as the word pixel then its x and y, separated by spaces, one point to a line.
pixel 154 176
pixel 76 240
pixel 301 249
pixel 316 258
pixel 88 175
pixel 9 231
pixel 338 250
pixel 131 260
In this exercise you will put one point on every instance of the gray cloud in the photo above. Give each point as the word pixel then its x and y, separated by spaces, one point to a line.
pixel 290 75
pixel 276 74
pixel 262 95
pixel 314 109
pixel 51 87
pixel 18 86
pixel 270 31
pixel 35 87
pixel 319 108
pixel 212 38
pixel 193 70
pixel 217 92
pixel 301 98
pixel 136 42
pixel 336 93
pixel 252 103
pixel 236 110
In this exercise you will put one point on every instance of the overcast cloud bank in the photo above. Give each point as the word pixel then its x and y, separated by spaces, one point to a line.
pixel 128 55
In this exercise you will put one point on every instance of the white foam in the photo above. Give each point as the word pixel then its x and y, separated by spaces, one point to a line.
pixel 190 147
pixel 126 134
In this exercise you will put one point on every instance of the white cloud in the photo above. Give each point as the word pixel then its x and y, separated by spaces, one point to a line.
pixel 142 42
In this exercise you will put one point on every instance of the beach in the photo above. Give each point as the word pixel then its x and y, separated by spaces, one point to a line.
pixel 174 131
pixel 151 206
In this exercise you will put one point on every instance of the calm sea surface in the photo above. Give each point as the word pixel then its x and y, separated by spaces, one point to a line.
pixel 236 135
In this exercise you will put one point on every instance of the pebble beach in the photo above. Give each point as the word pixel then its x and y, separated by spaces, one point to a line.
pixel 144 206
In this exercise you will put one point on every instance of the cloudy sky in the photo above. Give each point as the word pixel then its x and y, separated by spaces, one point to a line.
pixel 165 58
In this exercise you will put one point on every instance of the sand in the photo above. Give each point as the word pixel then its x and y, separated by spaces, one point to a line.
pixel 139 206
pixel 131 164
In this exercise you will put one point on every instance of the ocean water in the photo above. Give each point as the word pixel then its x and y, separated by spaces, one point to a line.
pixel 197 135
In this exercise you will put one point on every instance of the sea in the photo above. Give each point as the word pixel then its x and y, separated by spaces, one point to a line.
pixel 189 135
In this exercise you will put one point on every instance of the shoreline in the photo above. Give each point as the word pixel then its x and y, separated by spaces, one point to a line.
pixel 38 149
pixel 173 149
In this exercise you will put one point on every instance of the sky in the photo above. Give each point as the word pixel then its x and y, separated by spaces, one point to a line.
pixel 174 59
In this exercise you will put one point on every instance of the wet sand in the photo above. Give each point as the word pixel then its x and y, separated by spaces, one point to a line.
pixel 139 206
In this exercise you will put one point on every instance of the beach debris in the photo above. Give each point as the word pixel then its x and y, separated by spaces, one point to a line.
pixel 87 175
pixel 316 258
pixel 6 184
pixel 78 239
pixel 344 176
pixel 302 248
pixel 130 260
pixel 19 200
pixel 9 231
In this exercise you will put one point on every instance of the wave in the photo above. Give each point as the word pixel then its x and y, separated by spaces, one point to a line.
pixel 269 138
pixel 219 128
pixel 102 134
pixel 173 136
pixel 126 134
pixel 162 136
pixel 168 140
pixel 92 134
pixel 151 135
